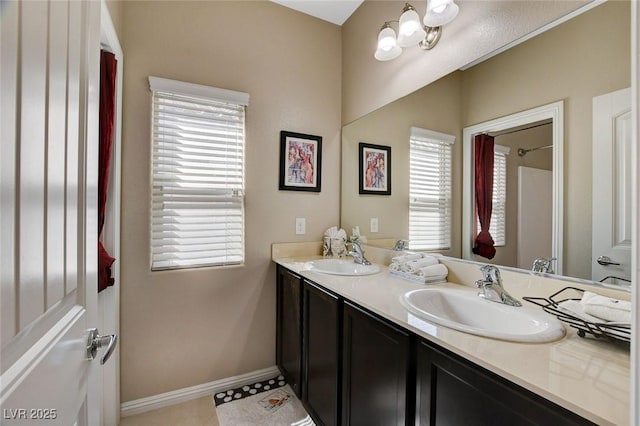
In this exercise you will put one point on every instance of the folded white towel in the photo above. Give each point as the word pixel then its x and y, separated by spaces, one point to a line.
pixel 436 271
pixel 413 266
pixel 406 258
pixel 576 309
pixel 606 308
pixel 395 267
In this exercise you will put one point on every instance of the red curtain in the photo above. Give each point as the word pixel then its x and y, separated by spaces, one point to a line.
pixel 484 244
pixel 108 69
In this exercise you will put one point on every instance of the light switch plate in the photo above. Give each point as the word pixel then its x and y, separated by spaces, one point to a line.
pixel 301 226
pixel 374 224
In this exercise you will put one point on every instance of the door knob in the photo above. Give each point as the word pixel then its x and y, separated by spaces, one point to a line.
pixel 606 261
pixel 95 341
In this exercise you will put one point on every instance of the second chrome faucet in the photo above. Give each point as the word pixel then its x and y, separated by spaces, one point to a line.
pixel 357 253
pixel 491 287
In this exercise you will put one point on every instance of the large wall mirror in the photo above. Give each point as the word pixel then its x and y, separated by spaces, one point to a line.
pixel 575 64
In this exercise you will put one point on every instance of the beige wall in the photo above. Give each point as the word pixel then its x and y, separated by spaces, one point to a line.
pixel 566 63
pixel 480 28
pixel 184 328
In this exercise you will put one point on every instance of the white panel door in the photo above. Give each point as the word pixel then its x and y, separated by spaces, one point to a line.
pixel 48 215
pixel 612 187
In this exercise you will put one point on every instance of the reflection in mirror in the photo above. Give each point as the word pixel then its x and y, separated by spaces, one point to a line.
pixel 564 64
pixel 529 194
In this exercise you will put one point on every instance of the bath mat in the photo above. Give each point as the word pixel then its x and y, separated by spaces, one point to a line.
pixel 277 407
pixel 248 390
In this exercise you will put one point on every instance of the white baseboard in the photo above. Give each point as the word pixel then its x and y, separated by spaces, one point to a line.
pixel 149 403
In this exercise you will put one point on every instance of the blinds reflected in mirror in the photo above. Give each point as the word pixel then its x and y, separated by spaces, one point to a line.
pixel 430 190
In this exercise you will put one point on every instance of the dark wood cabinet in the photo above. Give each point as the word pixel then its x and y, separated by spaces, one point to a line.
pixel 321 354
pixel 376 367
pixel 351 367
pixel 452 391
pixel 289 327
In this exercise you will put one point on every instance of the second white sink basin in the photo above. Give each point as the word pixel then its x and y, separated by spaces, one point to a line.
pixel 464 311
pixel 343 267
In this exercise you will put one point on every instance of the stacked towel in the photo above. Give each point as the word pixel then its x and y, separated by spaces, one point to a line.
pixel 406 258
pixel 413 266
pixel 606 308
pixel 434 272
pixel 334 242
pixel 426 267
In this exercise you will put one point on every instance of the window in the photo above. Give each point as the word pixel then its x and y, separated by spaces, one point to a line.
pixel 497 228
pixel 197 202
pixel 430 190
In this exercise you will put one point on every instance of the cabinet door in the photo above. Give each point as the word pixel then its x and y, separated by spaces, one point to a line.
pixel 289 327
pixel 321 354
pixel 450 391
pixel 376 361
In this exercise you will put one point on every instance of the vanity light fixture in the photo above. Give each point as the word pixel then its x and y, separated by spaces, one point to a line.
pixel 411 32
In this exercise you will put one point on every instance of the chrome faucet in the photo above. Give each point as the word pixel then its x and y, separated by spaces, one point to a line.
pixel 357 253
pixel 401 245
pixel 491 287
pixel 542 264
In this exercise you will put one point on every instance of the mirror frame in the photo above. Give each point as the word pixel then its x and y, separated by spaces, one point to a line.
pixel 553 111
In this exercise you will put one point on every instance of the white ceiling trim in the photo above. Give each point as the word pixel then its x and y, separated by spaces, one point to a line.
pixel 334 11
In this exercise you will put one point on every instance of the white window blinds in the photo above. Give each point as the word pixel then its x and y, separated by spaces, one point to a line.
pixel 430 190
pixel 497 228
pixel 197 206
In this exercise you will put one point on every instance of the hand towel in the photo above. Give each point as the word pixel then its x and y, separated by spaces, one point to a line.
pixel 334 233
pixel 333 242
pixel 437 271
pixel 576 309
pixel 414 266
pixel 606 308
pixel 356 237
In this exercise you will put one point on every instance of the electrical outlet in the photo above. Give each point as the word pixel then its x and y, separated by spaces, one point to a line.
pixel 301 225
pixel 374 224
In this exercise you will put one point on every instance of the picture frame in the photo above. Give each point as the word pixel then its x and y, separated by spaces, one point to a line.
pixel 300 162
pixel 374 169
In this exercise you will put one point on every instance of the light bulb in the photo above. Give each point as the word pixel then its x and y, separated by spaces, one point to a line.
pixel 410 29
pixel 440 8
pixel 387 45
pixel 440 12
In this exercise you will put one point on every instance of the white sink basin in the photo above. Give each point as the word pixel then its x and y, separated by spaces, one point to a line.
pixel 464 311
pixel 343 267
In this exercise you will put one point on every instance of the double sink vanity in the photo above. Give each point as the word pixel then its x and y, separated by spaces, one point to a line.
pixel 360 346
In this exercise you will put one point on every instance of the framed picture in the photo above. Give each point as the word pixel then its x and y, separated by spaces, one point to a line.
pixel 375 169
pixel 300 162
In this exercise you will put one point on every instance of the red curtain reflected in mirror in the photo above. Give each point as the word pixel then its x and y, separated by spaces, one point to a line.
pixel 108 69
pixel 483 243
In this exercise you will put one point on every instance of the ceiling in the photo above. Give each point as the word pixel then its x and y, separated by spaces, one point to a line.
pixel 334 11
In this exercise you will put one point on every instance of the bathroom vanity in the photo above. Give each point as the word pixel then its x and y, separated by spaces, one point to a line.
pixel 354 355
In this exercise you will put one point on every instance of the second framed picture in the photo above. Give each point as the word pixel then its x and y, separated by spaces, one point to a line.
pixel 300 162
pixel 374 169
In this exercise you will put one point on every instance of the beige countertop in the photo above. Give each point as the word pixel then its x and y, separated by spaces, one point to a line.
pixel 584 375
